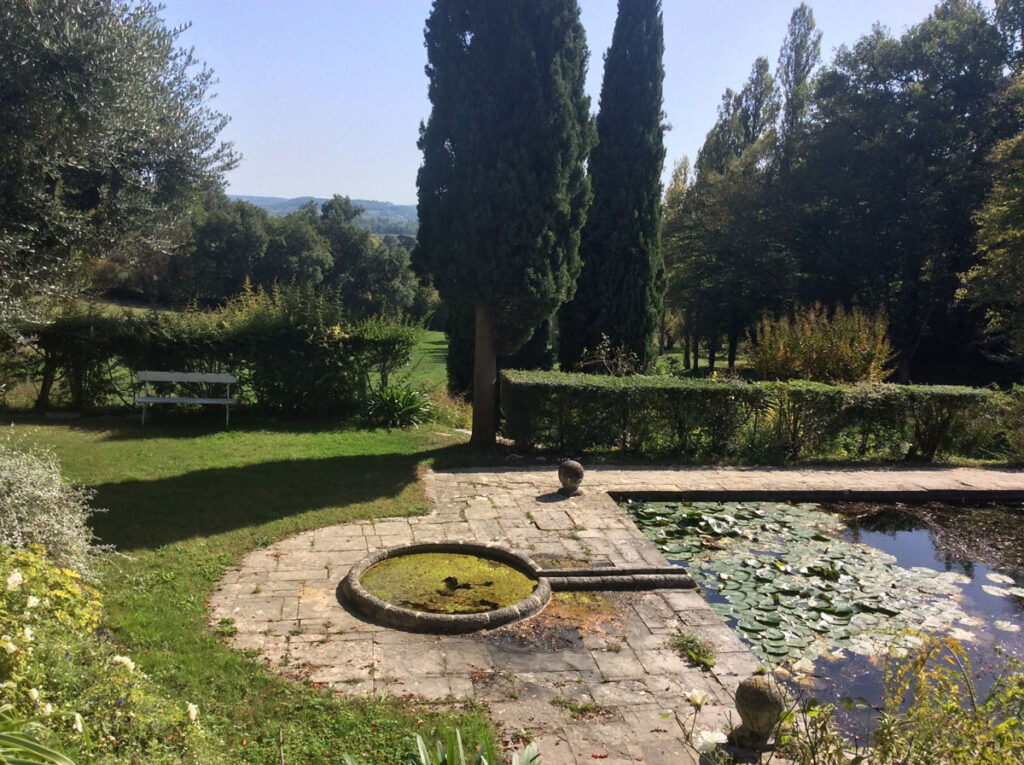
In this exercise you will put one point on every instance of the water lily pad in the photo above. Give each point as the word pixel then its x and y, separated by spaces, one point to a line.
pixel 998 592
pixel 1000 578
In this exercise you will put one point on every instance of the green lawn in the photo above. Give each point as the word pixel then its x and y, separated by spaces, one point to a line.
pixel 185 500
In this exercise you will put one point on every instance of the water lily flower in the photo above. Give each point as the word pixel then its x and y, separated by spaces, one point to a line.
pixel 707 741
pixel 193 712
pixel 79 724
pixel 125 662
pixel 697 697
pixel 14 580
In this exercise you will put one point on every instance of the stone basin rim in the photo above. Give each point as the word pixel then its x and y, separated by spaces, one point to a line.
pixel 445 624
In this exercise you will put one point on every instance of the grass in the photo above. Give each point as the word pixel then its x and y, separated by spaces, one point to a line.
pixel 693 648
pixel 184 502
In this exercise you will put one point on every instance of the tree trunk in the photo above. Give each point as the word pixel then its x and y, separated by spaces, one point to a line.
pixel 712 349
pixel 485 382
pixel 46 385
pixel 686 350
pixel 734 339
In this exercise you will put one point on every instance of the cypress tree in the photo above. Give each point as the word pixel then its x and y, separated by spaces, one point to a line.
pixel 502 189
pixel 621 289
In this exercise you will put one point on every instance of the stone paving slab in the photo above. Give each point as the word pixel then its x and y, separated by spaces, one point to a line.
pixel 615 694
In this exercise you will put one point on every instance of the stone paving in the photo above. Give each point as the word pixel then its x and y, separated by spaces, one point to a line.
pixel 605 689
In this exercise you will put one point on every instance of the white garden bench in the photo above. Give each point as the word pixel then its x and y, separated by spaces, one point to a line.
pixel 207 378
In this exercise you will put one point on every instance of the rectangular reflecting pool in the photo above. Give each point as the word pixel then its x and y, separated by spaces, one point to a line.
pixel 824 591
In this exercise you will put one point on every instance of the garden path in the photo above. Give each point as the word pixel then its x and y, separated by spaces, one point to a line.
pixel 586 680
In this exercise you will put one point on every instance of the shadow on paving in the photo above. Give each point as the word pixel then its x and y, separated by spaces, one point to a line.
pixel 149 514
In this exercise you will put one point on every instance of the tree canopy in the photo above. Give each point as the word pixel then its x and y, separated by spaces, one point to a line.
pixel 108 135
pixel 620 292
pixel 503 192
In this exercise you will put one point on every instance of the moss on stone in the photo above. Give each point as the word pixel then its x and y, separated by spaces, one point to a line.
pixel 447 583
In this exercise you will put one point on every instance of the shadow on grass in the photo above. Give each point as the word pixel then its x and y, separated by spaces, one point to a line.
pixel 151 513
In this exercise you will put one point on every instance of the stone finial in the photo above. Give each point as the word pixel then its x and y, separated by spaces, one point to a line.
pixel 760 702
pixel 570 473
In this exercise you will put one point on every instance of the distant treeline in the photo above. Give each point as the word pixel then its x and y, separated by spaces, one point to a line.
pixel 229 244
pixel 378 217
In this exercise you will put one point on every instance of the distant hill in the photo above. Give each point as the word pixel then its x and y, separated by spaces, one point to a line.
pixel 379 217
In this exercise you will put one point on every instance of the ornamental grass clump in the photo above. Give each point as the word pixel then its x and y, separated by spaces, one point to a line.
pixel 38 508
pixel 833 347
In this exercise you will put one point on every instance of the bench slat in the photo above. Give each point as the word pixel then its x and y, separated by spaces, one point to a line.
pixel 182 400
pixel 186 377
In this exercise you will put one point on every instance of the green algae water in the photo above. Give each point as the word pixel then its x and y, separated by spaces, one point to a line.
pixel 447 583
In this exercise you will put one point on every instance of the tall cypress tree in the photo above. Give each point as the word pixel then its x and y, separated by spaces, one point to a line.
pixel 621 289
pixel 502 189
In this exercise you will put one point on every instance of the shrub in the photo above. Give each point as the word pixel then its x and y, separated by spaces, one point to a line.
pixel 703 420
pixel 56 665
pixel 293 349
pixel 1013 416
pixel 816 345
pixel 398 406
pixel 38 508
pixel 930 714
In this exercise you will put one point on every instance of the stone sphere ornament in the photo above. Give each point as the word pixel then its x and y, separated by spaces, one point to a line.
pixel 760 702
pixel 570 473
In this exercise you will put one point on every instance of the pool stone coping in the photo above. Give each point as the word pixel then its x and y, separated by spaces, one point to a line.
pixel 588 579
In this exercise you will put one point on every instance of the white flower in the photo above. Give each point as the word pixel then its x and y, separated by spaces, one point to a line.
pixel 79 724
pixel 32 602
pixel 28 633
pixel 193 712
pixel 47 709
pixel 7 644
pixel 124 661
pixel 707 741
pixel 33 694
pixel 697 697
pixel 14 580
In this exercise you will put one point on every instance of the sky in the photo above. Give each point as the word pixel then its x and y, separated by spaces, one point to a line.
pixel 326 96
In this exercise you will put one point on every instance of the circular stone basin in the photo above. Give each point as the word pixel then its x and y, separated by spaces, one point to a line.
pixel 446 587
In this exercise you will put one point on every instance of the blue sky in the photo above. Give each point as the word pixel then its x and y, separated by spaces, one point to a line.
pixel 326 96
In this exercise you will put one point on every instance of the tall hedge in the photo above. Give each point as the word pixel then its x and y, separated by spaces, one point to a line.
pixel 701 420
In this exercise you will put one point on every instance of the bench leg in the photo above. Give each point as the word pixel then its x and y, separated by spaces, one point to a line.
pixel 227 415
pixel 144 408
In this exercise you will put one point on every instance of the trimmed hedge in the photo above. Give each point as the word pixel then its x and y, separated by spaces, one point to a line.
pixel 702 420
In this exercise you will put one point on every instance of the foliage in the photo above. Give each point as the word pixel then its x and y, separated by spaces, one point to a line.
pixel 867 188
pixel 38 508
pixel 108 135
pixel 57 667
pixel 1013 416
pixel 706 420
pixel 604 359
pixel 693 648
pixel 931 713
pixel 19 745
pixel 502 188
pixel 398 406
pixel 451 752
pixel 621 288
pixel 831 347
pixel 996 282
pixel 293 348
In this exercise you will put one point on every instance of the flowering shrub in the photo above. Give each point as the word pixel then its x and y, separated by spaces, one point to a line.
pixel 57 665
pixel 38 508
